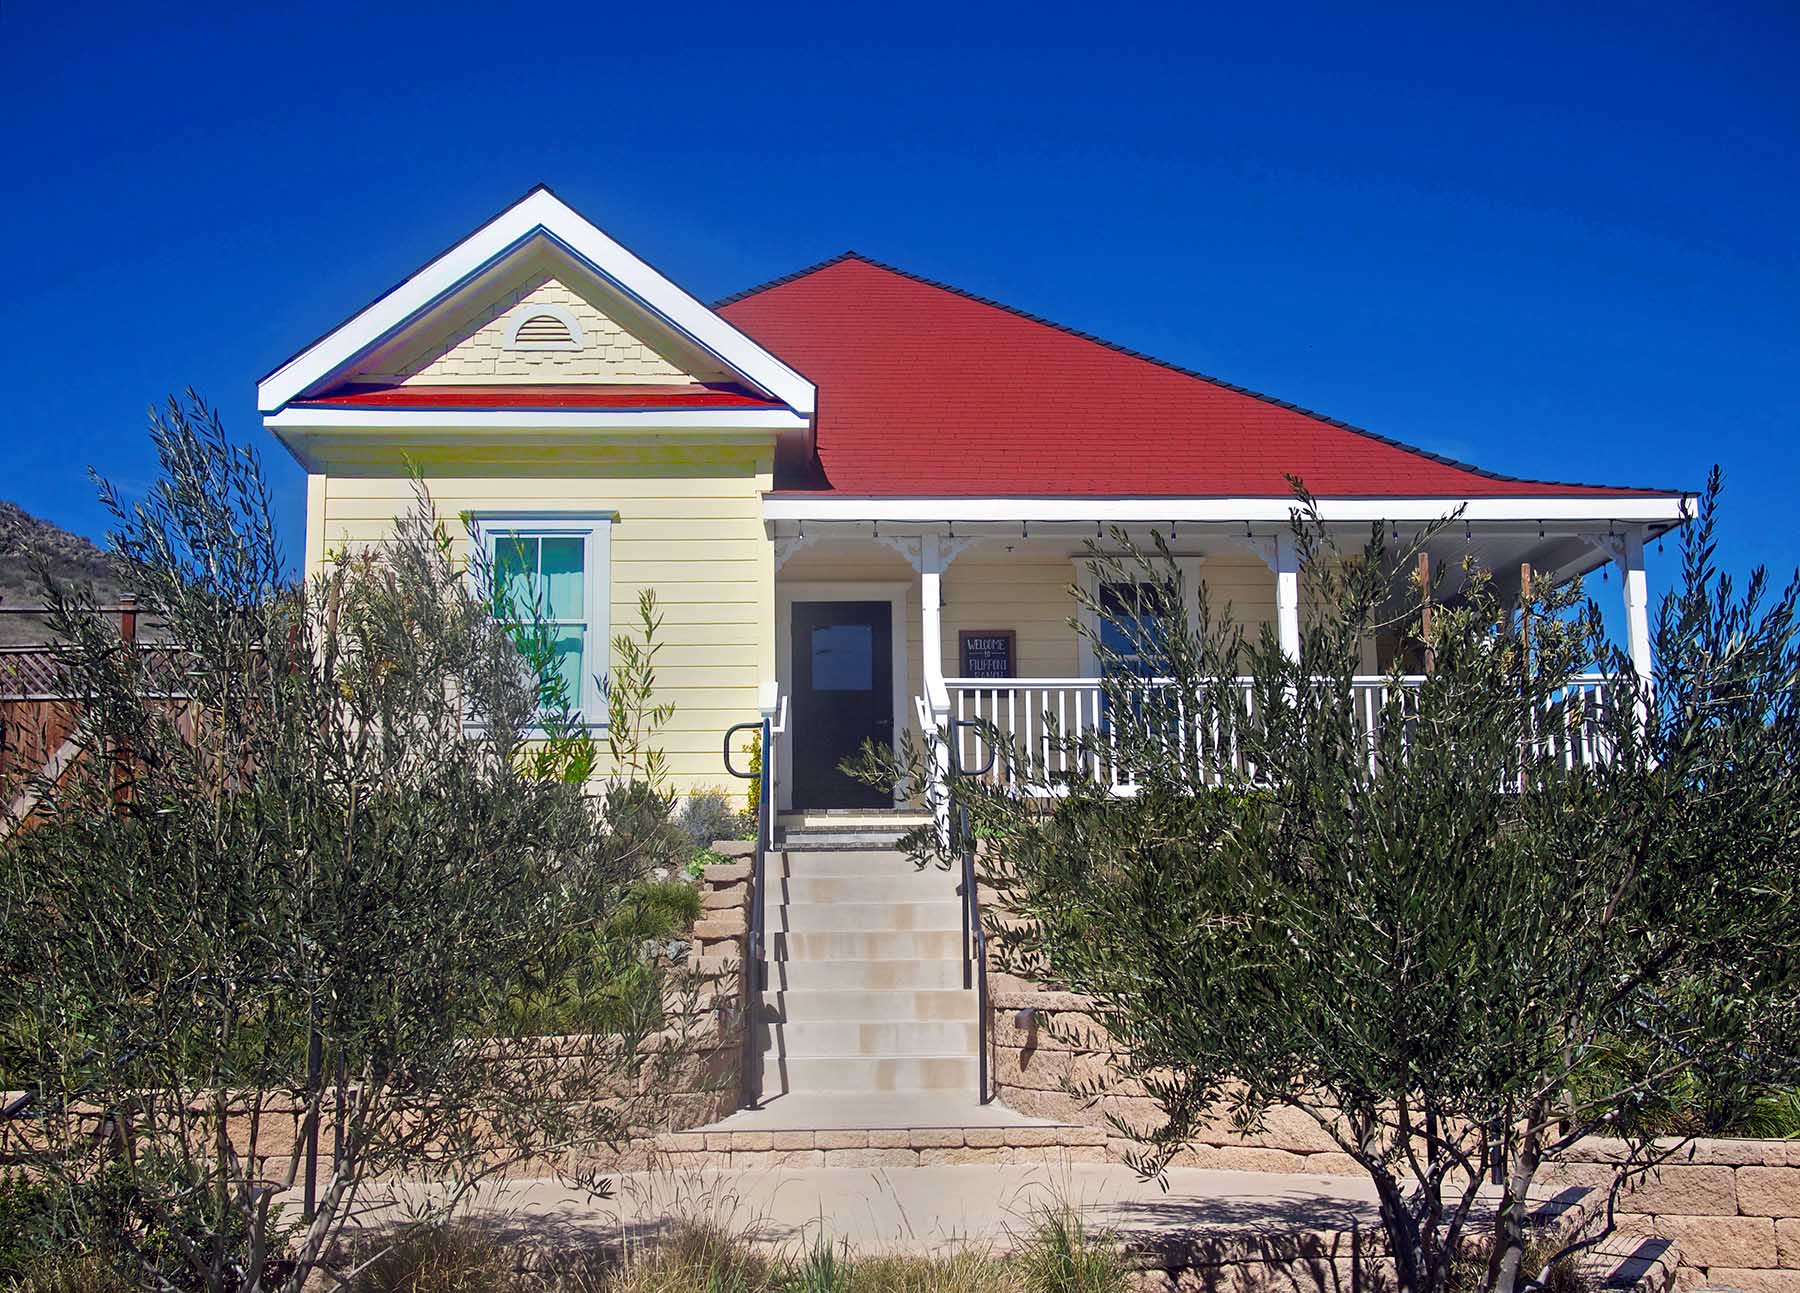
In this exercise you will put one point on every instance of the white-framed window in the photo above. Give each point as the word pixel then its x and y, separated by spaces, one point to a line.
pixel 1131 613
pixel 557 564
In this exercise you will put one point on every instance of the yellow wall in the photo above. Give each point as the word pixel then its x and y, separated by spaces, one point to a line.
pixel 689 525
pixel 1027 593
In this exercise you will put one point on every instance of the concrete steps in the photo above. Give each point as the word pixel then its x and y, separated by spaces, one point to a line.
pixel 925 886
pixel 868 945
pixel 839 862
pixel 866 1002
pixel 907 1037
pixel 870 1074
pixel 864 976
pixel 874 1005
pixel 899 917
pixel 827 917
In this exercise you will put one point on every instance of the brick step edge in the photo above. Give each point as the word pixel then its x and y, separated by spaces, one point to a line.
pixel 881 1147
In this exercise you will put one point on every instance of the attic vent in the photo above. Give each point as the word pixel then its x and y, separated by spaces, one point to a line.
pixel 543 327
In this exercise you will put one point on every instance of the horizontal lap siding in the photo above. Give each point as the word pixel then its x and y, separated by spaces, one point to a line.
pixel 1028 595
pixel 689 526
pixel 1243 586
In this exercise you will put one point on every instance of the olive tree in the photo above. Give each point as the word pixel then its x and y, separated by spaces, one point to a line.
pixel 328 856
pixel 1420 921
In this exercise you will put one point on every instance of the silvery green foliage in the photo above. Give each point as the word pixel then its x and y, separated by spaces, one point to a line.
pixel 1453 952
pixel 336 827
pixel 706 816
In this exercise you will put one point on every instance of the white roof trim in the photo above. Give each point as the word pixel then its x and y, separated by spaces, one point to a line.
pixel 539 211
pixel 360 419
pixel 1664 509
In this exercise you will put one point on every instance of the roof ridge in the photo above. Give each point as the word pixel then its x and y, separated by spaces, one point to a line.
pixel 1141 356
pixel 827 263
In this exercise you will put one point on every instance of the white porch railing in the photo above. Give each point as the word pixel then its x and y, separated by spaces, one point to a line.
pixel 1032 712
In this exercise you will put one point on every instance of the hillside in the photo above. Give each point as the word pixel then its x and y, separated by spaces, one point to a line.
pixel 72 558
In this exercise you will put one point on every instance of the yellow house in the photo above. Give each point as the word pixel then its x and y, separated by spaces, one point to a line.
pixel 861 497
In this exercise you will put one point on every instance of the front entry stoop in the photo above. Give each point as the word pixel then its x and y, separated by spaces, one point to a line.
pixel 846 829
pixel 867 1039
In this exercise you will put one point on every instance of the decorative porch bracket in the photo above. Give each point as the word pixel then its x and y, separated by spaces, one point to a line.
pixel 1283 558
pixel 787 547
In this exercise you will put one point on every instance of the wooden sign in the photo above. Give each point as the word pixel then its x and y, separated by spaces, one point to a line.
pixel 987 653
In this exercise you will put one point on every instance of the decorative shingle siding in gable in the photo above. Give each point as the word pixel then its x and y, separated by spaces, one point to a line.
pixel 471 348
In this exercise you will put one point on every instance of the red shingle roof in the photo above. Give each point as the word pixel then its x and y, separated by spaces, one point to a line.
pixel 928 391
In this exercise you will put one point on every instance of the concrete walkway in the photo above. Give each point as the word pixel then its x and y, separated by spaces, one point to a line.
pixel 924 1209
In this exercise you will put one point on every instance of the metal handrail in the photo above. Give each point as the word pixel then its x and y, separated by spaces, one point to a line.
pixel 974 936
pixel 756 969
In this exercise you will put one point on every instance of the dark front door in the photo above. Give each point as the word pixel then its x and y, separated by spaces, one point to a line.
pixel 843 695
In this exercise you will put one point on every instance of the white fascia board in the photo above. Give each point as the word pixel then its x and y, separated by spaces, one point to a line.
pixel 538 211
pixel 1661 509
pixel 703 420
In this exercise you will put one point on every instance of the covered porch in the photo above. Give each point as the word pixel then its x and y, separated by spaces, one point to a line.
pixel 916 616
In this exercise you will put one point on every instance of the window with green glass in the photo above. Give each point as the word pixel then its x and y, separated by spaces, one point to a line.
pixel 549 584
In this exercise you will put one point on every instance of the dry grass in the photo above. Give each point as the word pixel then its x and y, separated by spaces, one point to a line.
pixel 442 1259
pixel 76 1274
pixel 959 1272
pixel 1060 1256
pixel 700 1256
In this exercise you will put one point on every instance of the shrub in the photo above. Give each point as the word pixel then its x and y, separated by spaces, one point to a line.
pixel 708 815
pixel 1775 1116
pixel 644 831
pixel 82 1234
pixel 1450 946
pixel 342 831
pixel 702 859
pixel 607 978
pixel 32 1226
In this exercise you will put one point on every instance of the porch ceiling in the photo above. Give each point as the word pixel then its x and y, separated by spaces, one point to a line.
pixel 1499 547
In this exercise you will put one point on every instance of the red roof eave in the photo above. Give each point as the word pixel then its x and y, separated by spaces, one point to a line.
pixel 526 398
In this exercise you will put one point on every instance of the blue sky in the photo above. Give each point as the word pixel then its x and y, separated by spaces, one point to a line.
pixel 1554 245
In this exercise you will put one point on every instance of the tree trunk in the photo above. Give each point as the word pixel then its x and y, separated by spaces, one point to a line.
pixel 1412 1270
pixel 1509 1226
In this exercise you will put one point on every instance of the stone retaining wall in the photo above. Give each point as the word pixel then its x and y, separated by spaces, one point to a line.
pixel 1731 1208
pixel 1058 1065
pixel 711 1083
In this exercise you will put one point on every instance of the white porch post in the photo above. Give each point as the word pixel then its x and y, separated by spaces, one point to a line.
pixel 937 695
pixel 1630 556
pixel 770 703
pixel 1637 604
pixel 1287 594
